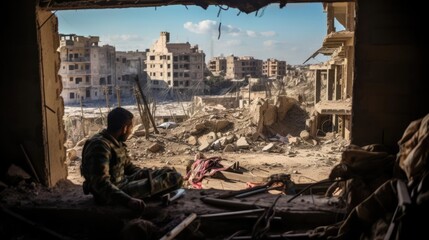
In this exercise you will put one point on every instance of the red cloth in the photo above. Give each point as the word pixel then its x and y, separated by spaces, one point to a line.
pixel 202 168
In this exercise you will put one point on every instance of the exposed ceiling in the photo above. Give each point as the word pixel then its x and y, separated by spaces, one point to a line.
pixel 244 6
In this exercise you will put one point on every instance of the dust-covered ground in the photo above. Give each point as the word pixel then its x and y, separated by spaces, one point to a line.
pixel 232 135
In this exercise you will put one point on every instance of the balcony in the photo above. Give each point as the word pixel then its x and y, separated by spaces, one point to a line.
pixel 80 59
pixel 78 72
pixel 340 107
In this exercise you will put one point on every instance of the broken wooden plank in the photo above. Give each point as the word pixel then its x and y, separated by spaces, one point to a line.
pixel 173 233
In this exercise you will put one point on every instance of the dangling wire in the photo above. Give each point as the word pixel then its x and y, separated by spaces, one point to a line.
pixel 218 12
pixel 219 30
pixel 223 8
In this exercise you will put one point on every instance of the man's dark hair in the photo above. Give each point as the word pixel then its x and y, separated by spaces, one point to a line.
pixel 117 118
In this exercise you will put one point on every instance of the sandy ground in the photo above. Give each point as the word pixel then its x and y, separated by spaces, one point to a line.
pixel 304 163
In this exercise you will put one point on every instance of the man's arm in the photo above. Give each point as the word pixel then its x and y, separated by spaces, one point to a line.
pixel 130 168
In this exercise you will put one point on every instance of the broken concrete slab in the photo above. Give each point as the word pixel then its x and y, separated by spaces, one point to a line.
pixel 155 147
pixel 242 143
pixel 268 147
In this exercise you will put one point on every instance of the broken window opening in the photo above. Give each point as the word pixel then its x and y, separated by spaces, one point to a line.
pixel 278 76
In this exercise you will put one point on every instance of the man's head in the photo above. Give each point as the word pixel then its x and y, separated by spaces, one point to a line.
pixel 120 123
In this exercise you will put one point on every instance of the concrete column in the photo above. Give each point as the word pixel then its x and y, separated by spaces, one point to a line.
pixel 330 18
pixel 317 87
pixel 350 16
pixel 349 72
pixel 334 122
pixel 330 83
pixel 338 79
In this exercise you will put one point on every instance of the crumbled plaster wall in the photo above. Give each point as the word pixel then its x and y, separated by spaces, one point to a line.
pixel 53 110
pixel 32 123
pixel 227 102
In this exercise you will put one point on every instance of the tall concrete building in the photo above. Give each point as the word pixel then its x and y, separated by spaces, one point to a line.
pixel 129 66
pixel 274 68
pixel 177 66
pixel 240 67
pixel 87 70
pixel 217 66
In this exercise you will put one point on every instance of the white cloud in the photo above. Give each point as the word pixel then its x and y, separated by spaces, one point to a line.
pixel 205 26
pixel 210 26
pixel 251 33
pixel 233 42
pixel 228 29
pixel 272 43
pixel 268 43
pixel 123 37
pixel 268 33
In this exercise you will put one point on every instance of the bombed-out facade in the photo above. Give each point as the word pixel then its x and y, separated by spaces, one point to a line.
pixel 177 66
pixel 87 70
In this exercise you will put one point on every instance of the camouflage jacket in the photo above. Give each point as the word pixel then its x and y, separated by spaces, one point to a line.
pixel 106 166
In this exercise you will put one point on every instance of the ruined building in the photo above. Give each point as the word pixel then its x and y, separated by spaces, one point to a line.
pixel 217 66
pixel 87 70
pixel 129 66
pixel 233 67
pixel 240 67
pixel 274 68
pixel 177 66
pixel 333 112
pixel 387 36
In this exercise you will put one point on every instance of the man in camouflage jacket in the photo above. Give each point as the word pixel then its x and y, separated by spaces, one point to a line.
pixel 109 174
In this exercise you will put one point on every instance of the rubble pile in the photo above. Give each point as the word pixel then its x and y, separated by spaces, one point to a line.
pixel 264 127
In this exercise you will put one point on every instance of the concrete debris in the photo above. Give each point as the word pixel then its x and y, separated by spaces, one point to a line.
pixel 242 143
pixel 192 140
pixel 279 120
pixel 229 148
pixel 204 146
pixel 167 125
pixel 15 175
pixel 268 147
pixel 155 147
pixel 139 133
pixel 81 142
pixel 15 171
pixel 305 135
pixel 72 154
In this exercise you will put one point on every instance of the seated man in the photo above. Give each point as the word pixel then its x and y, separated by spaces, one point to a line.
pixel 109 174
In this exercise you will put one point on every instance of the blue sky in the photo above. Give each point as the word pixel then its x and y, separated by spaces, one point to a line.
pixel 292 33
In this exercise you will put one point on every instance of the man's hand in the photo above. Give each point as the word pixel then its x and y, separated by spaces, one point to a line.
pixel 136 204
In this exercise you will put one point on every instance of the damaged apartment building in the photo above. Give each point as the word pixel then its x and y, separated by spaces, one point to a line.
pixel 333 106
pixel 377 64
pixel 175 66
pixel 235 67
pixel 92 72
